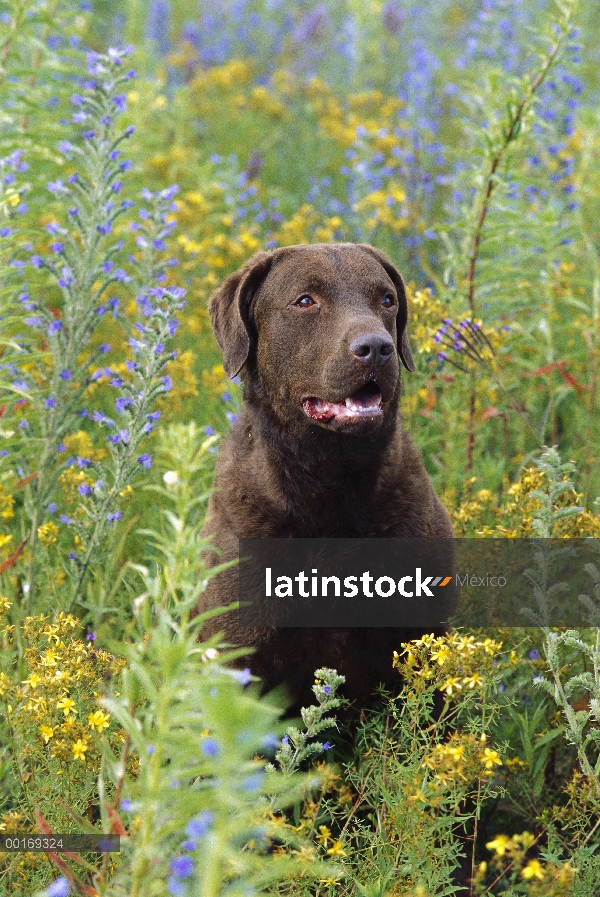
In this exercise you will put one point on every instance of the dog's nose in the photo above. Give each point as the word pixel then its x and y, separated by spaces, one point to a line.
pixel 372 348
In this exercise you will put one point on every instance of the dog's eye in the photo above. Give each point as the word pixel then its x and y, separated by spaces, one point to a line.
pixel 304 302
pixel 387 301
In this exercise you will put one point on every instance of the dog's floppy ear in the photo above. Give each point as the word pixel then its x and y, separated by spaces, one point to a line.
pixel 230 311
pixel 402 316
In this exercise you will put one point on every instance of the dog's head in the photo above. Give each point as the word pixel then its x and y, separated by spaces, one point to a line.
pixel 320 328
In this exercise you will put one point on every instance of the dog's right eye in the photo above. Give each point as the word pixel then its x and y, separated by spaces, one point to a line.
pixel 304 302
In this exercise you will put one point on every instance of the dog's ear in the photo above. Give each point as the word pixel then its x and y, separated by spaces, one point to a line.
pixel 230 311
pixel 402 316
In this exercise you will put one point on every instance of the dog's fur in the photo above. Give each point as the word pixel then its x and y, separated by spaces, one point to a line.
pixel 282 473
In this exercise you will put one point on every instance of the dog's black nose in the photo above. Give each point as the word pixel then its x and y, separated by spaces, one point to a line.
pixel 372 348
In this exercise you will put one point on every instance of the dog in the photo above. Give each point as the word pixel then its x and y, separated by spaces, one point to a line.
pixel 318 451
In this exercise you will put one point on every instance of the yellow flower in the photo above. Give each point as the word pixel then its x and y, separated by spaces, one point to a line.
pixel 451 685
pixel 323 836
pixel 47 533
pixel 47 732
pixel 336 850
pixel 533 869
pixel 66 705
pixel 500 845
pixel 99 720
pixel 79 748
pixel 491 758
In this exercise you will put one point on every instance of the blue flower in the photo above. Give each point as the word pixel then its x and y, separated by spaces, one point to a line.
pixel 242 676
pixel 84 489
pixel 182 866
pixel 127 806
pixel 174 886
pixel 145 460
pixel 209 430
pixel 253 782
pixel 58 888
pixel 327 746
pixel 210 747
pixel 200 824
pixel 51 402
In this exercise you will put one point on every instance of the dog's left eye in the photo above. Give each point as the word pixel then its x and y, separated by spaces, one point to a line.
pixel 304 302
pixel 387 301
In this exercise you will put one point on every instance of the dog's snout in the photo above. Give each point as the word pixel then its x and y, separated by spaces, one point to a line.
pixel 372 348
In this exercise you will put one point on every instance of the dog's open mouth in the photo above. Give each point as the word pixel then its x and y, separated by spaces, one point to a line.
pixel 364 403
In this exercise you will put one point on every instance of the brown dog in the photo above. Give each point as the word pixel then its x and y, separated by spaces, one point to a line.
pixel 318 449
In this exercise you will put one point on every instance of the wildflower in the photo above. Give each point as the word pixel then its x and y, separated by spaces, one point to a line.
pixel 182 866
pixel 145 460
pixel 253 782
pixel 46 732
pixel 99 720
pixel 533 869
pixel 79 748
pixel 336 850
pixel 59 888
pixel 327 746
pixel 210 747
pixel 500 845
pixel 491 759
pixel 200 824
pixel 66 704
pixel 114 516
pixel 242 676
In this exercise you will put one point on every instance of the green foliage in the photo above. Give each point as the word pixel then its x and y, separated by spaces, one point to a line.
pixel 483 188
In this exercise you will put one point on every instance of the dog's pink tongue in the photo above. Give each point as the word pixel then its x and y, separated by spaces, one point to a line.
pixel 361 403
pixel 320 410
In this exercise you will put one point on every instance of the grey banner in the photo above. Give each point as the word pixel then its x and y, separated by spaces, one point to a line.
pixel 419 583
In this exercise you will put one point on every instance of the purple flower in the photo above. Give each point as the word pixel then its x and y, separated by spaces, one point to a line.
pixel 327 689
pixel 54 327
pixel 167 383
pixel 52 507
pixel 59 888
pixel 34 322
pixel 65 147
pixel 242 676
pixel 129 131
pixel 65 519
pixel 116 515
pixel 253 782
pixel 104 228
pixel 66 279
pixel 122 403
pixel 50 403
pixel 210 747
pixel 84 462
pixel 154 416
pixel 174 886
pixel 534 654
pixel 209 430
pixel 327 746
pixel 84 489
pixel 145 460
pixel 5 231
pixel 37 261
pixel 182 866
pixel 200 824
pixel 127 806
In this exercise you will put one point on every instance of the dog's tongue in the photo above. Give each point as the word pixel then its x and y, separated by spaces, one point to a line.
pixel 365 402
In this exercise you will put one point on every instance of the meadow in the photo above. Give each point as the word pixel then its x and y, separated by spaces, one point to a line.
pixel 146 151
